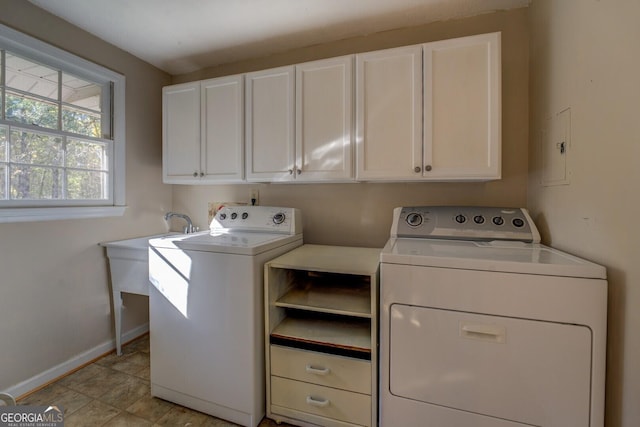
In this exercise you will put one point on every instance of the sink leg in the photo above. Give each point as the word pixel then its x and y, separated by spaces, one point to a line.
pixel 117 308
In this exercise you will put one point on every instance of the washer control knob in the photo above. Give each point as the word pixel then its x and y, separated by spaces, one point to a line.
pixel 498 220
pixel 461 219
pixel 478 219
pixel 518 222
pixel 414 219
pixel 245 215
pixel 279 218
pixel 234 215
pixel 222 216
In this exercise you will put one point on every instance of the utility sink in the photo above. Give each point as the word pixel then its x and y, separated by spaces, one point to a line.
pixel 129 266
pixel 129 263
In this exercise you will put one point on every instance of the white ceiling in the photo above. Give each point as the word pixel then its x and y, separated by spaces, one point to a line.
pixel 181 36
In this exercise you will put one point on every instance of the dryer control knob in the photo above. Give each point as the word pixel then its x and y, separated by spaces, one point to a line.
pixel 414 219
pixel 498 220
pixel 461 219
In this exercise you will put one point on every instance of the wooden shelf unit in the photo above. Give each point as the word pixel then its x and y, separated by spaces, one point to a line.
pixel 321 309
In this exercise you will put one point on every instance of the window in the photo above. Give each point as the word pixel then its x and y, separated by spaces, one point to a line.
pixel 61 133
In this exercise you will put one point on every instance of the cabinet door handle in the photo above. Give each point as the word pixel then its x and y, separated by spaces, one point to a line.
pixel 417 169
pixel 290 171
pixel 195 174
pixel 316 402
pixel 201 174
pixel 317 371
pixel 298 171
pixel 427 168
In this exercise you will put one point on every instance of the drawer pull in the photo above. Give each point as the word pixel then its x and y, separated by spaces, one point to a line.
pixel 317 371
pixel 319 403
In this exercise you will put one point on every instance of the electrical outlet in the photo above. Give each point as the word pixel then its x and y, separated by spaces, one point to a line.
pixel 255 197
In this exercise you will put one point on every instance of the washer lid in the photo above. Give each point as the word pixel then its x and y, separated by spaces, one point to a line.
pixel 238 242
pixel 504 256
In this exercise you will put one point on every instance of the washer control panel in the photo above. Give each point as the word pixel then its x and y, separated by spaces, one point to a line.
pixel 257 218
pixel 464 223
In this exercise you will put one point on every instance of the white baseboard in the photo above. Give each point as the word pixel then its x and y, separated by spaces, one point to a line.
pixel 65 367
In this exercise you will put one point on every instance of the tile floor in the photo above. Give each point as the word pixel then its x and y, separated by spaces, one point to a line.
pixel 114 391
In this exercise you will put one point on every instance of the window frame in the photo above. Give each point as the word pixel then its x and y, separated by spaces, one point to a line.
pixel 48 55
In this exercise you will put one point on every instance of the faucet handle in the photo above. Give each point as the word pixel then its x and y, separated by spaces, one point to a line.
pixel 190 228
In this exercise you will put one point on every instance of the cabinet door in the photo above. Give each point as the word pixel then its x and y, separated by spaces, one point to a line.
pixel 324 119
pixel 269 124
pixel 181 132
pixel 462 93
pixel 222 129
pixel 389 114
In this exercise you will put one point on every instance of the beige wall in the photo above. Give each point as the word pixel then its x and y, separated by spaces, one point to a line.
pixel 359 214
pixel 585 56
pixel 54 291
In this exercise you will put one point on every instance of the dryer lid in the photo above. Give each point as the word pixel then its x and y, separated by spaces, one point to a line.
pixel 503 256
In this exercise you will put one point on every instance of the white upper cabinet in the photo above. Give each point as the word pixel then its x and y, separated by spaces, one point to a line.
pixel 181 132
pixel 438 120
pixel 324 110
pixel 422 112
pixel 203 134
pixel 223 129
pixel 270 118
pixel 389 114
pixel 299 122
pixel 462 108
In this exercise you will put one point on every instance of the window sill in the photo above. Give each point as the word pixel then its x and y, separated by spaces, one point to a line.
pixel 52 214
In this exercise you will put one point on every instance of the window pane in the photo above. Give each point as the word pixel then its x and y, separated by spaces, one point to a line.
pixel 3 144
pixel 81 122
pixel 86 155
pixel 86 185
pixel 35 183
pixel 32 111
pixel 36 148
pixel 31 77
pixel 81 93
pixel 3 181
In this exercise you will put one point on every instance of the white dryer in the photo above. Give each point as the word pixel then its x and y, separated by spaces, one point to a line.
pixel 206 310
pixel 483 326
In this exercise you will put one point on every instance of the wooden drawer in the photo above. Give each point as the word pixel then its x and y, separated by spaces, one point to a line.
pixel 323 401
pixel 323 369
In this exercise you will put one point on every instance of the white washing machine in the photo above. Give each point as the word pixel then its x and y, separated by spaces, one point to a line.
pixel 482 326
pixel 206 310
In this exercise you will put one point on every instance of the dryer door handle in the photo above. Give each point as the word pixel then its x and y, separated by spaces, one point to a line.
pixel 485 332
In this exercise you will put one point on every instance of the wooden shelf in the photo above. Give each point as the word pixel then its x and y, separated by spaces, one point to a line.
pixel 354 335
pixel 350 301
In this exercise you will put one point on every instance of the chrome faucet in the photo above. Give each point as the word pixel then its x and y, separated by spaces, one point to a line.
pixel 189 228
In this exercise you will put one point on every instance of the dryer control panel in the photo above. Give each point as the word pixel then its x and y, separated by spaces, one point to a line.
pixel 464 223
